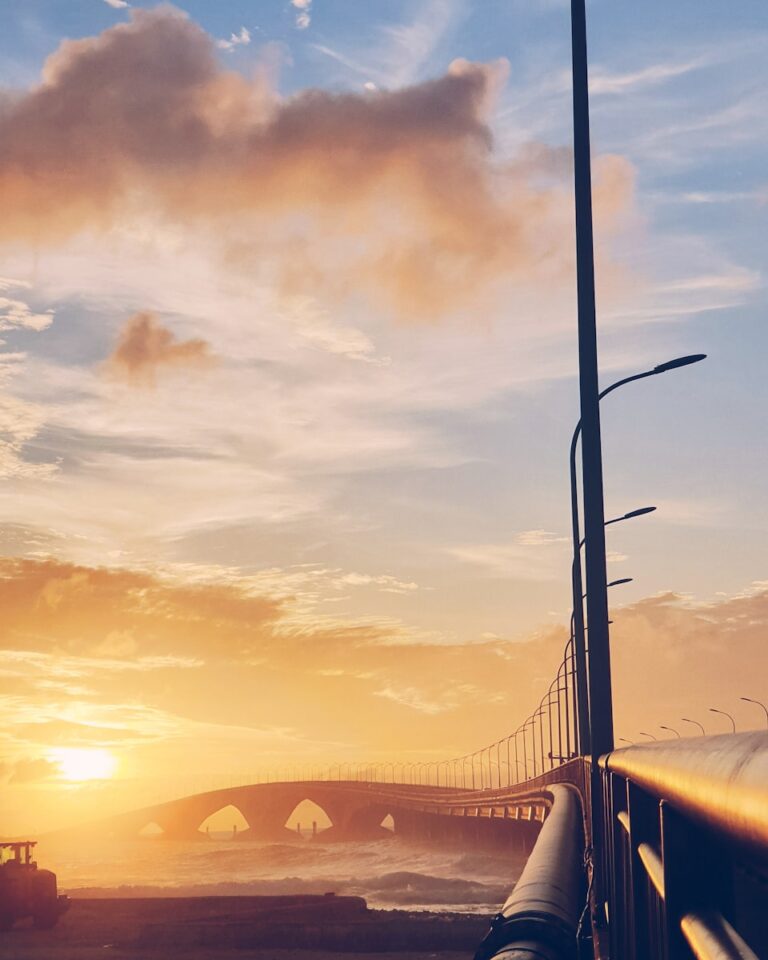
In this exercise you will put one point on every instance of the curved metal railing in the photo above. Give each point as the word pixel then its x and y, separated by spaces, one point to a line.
pixel 686 824
pixel 546 739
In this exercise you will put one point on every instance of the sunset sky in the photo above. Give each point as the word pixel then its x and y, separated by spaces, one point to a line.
pixel 289 378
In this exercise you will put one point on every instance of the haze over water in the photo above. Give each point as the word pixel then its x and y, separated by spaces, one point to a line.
pixel 389 874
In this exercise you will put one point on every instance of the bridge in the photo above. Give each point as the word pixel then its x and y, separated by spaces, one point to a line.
pixel 683 872
pixel 356 811
pixel 650 851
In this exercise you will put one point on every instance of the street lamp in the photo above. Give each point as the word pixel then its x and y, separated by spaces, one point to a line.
pixel 614 583
pixel 759 703
pixel 624 740
pixel 671 730
pixel 649 735
pixel 640 512
pixel 576 572
pixel 695 723
pixel 733 722
pixel 595 715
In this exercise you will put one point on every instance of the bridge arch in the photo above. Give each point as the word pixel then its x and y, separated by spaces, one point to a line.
pixel 150 831
pixel 310 816
pixel 372 821
pixel 228 821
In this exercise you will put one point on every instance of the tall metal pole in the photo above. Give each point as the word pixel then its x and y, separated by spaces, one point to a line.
pixel 600 696
pixel 581 695
pixel 601 710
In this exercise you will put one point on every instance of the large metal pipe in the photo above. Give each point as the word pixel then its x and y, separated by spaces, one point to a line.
pixel 719 781
pixel 540 919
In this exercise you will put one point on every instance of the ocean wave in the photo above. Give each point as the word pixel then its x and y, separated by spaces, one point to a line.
pixel 390 874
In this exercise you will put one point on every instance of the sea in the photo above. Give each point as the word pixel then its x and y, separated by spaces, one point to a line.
pixel 390 874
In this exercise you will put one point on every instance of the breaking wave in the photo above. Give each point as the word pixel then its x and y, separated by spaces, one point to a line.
pixel 389 874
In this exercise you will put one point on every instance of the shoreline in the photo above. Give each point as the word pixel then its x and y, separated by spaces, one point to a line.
pixel 302 927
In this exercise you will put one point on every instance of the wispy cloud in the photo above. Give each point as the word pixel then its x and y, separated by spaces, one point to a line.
pixel 738 280
pixel 721 196
pixel 413 699
pixel 406 51
pixel 675 300
pixel 16 313
pixel 603 82
pixel 539 538
pixel 715 126
pixel 240 39
pixel 57 665
pixel 409 47
pixel 534 555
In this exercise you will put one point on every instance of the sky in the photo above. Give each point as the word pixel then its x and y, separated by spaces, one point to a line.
pixel 289 377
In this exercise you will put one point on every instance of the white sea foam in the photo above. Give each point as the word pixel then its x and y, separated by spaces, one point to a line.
pixel 388 873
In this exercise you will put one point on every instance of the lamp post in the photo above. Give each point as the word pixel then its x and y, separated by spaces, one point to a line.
pixel 517 761
pixel 671 730
pixel 695 723
pixel 759 703
pixel 733 722
pixel 576 572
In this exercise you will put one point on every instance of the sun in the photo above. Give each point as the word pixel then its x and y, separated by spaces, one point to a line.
pixel 84 763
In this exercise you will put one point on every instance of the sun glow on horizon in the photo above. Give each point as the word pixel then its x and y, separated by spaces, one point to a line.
pixel 84 763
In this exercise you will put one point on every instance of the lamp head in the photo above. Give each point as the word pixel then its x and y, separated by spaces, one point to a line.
pixel 640 512
pixel 616 583
pixel 679 362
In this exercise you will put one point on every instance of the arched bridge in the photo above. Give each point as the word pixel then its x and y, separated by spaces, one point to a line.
pixel 511 816
pixel 682 873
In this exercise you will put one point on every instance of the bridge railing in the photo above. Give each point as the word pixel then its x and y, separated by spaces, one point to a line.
pixel 545 740
pixel 686 826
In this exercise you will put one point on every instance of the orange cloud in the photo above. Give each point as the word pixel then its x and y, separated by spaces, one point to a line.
pixel 145 347
pixel 220 673
pixel 672 659
pixel 395 192
pixel 64 608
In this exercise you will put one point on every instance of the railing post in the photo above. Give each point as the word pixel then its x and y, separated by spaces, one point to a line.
pixel 644 827
pixel 696 877
pixel 678 877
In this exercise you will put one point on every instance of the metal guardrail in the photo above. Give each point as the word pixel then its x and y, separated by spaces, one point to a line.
pixel 686 825
pixel 540 919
